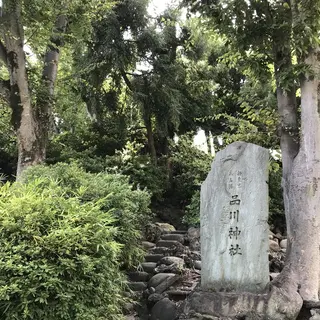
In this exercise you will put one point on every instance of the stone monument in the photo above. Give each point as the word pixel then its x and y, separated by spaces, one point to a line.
pixel 234 215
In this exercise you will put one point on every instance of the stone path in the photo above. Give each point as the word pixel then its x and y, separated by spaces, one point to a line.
pixel 171 271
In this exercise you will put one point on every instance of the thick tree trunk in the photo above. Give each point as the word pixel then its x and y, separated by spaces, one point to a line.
pixel 31 124
pixel 24 118
pixel 304 190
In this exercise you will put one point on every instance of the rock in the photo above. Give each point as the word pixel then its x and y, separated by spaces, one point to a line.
pixel 148 245
pixel 178 232
pixel 138 276
pixel 179 262
pixel 164 285
pixel 315 314
pixel 148 266
pixel 197 265
pixel 194 239
pixel 283 243
pixel 195 255
pixel 165 227
pixel 234 214
pixel 137 286
pixel 164 310
pixel 153 231
pixel 153 257
pixel 273 246
pixel 177 295
pixel 158 278
pixel 273 275
pixel 154 298
pixel 167 243
pixel 270 237
pixel 175 237
pixel 278 236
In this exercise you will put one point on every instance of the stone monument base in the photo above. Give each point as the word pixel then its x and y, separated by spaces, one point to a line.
pixel 274 304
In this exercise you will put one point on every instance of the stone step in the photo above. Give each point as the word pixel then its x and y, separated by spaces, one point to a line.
pixel 148 266
pixel 179 232
pixel 160 250
pixel 167 243
pixel 178 295
pixel 159 278
pixel 148 245
pixel 138 276
pixel 153 257
pixel 174 237
pixel 138 286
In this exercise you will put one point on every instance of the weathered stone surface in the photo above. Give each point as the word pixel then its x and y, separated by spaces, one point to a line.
pixel 194 239
pixel 137 286
pixel 175 237
pixel 234 214
pixel 158 278
pixel 284 243
pixel 164 310
pixel 167 243
pixel 177 295
pixel 148 266
pixel 197 265
pixel 179 262
pixel 273 245
pixel 138 276
pixel 154 231
pixel 164 285
pixel 148 245
pixel 153 257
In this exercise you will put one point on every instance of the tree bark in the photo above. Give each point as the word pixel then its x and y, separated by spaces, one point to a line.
pixel 23 115
pixel 49 75
pixel 30 123
pixel 304 190
pixel 150 137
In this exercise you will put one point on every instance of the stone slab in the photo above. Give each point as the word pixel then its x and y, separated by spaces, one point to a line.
pixel 234 214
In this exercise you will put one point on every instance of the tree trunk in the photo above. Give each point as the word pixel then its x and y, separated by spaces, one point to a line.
pixel 304 190
pixel 49 75
pixel 31 124
pixel 150 137
pixel 23 115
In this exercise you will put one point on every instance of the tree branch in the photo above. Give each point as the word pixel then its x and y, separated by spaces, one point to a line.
pixel 126 79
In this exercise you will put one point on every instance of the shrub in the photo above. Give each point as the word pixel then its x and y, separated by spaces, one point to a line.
pixel 58 256
pixel 113 193
pixel 190 168
pixel 139 167
pixel 192 216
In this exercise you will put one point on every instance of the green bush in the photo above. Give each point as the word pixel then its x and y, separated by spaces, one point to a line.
pixel 139 167
pixel 192 216
pixel 113 193
pixel 190 168
pixel 58 256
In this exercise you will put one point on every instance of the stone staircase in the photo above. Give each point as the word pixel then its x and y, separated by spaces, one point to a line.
pixel 169 273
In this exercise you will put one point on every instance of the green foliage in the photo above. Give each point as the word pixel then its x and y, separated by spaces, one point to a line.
pixel 8 153
pixel 58 256
pixel 139 167
pixel 190 167
pixel 276 205
pixel 192 216
pixel 113 193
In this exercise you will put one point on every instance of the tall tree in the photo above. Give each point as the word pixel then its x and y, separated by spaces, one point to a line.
pixel 276 30
pixel 31 111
